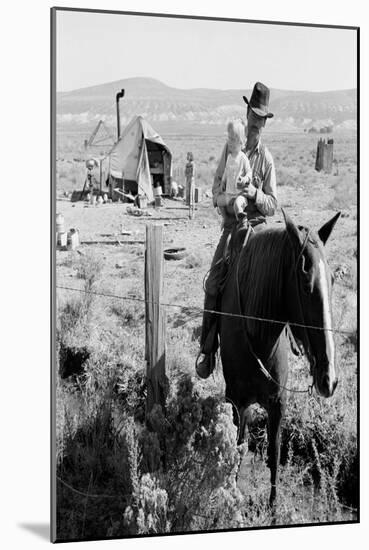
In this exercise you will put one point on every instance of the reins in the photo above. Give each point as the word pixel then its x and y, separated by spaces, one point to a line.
pixel 257 359
pixel 306 334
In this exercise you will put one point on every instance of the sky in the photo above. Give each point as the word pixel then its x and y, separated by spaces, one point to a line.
pixel 95 48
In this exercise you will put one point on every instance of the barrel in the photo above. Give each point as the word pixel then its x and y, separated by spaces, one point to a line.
pixel 59 223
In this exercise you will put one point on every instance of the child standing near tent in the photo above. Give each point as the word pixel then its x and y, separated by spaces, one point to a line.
pixel 190 179
pixel 237 174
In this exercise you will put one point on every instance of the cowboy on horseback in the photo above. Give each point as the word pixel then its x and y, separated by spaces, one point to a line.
pixel 261 201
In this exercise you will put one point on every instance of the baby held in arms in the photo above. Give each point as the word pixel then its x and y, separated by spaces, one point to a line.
pixel 237 173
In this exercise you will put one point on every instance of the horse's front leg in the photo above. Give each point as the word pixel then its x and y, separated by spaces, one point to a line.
pixel 276 410
pixel 243 430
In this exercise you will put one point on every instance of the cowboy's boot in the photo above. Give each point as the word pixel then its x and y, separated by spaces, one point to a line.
pixel 206 365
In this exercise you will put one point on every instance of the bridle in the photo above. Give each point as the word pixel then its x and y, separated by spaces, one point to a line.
pixel 302 323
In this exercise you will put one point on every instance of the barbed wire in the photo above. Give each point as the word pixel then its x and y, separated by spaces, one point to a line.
pixel 89 495
pixel 199 310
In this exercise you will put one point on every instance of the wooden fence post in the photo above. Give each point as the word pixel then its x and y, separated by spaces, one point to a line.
pixel 155 318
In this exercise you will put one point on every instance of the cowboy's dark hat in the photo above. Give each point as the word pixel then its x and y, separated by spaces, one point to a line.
pixel 259 100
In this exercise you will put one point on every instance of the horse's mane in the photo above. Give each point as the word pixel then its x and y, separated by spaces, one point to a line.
pixel 261 273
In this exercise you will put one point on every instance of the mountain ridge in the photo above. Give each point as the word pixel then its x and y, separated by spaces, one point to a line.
pixel 203 106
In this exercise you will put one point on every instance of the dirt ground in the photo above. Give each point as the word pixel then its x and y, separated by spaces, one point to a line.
pixel 118 237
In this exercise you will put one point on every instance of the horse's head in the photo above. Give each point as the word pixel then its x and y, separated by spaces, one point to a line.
pixel 310 305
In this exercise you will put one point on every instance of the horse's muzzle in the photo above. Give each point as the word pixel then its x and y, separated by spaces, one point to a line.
pixel 326 385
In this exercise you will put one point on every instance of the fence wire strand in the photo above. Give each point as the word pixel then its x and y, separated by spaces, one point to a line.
pixel 198 311
pixel 89 495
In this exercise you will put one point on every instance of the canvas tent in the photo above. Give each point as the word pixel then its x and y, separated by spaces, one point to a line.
pixel 140 160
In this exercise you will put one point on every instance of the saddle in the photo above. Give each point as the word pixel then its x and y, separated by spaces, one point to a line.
pixel 239 236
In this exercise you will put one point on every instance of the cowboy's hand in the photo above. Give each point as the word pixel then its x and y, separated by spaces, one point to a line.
pixel 250 191
pixel 242 182
pixel 257 181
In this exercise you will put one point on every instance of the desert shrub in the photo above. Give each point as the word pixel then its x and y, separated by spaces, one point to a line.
pixel 325 443
pixel 179 475
pixel 194 455
pixel 67 260
pixel 130 313
pixel 71 315
pixel 351 278
pixel 98 450
pixel 74 317
pixel 351 339
pixel 89 268
pixel 96 461
pixel 73 322
pixel 286 176
pixel 195 260
pixel 345 193
pixel 152 504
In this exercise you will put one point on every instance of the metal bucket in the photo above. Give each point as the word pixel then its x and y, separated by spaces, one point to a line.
pixel 59 223
pixel 142 202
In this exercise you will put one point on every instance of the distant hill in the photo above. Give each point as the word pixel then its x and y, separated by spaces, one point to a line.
pixel 178 109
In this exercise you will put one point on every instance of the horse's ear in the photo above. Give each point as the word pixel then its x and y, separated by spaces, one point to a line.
pixel 292 231
pixel 326 229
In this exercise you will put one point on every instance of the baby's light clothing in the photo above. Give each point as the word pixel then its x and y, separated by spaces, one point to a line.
pixel 236 167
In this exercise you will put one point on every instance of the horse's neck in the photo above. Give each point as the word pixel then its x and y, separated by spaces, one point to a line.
pixel 265 339
pixel 266 308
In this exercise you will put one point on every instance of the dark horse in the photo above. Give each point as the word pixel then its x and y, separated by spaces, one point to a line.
pixel 282 275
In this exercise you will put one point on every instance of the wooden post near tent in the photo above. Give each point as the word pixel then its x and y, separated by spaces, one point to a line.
pixel 102 176
pixel 191 204
pixel 155 319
